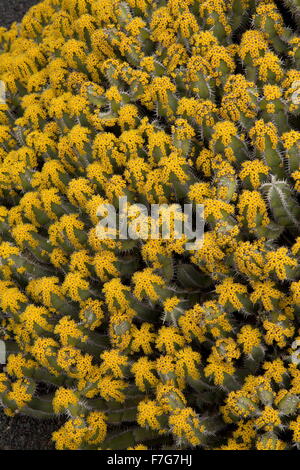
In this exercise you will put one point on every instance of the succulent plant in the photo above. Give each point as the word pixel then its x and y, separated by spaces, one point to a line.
pixel 143 343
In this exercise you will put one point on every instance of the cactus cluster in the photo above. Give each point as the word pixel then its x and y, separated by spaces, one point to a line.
pixel 142 343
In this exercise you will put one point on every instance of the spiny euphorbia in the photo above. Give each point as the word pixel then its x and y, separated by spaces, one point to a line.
pixel 143 343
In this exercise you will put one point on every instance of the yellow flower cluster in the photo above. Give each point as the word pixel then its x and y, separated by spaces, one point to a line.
pixel 141 339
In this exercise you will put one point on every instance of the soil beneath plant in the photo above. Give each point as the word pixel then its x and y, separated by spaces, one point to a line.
pixel 25 433
pixel 14 10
